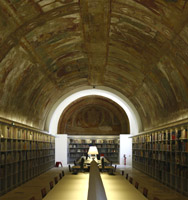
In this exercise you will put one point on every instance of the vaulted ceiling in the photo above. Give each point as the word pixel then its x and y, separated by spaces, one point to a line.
pixel 137 47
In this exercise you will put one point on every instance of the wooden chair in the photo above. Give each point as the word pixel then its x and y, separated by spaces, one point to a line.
pixel 70 170
pixel 75 169
pixel 79 168
pixel 103 168
pixel 115 168
pixel 56 180
pixel 43 192
pixel 131 180
pixel 155 198
pixel 58 163
pixel 127 176
pixel 98 156
pixel 136 185
pixel 51 184
pixel 145 192
pixel 32 198
pixel 60 176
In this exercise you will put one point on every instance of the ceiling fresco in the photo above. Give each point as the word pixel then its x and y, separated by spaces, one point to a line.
pixel 93 115
pixel 49 47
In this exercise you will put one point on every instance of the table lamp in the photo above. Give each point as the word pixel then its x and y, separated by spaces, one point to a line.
pixel 93 151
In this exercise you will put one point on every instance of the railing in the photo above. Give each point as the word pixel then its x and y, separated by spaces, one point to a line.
pixel 96 189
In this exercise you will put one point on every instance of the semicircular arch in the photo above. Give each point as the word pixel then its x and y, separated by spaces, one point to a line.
pixel 65 100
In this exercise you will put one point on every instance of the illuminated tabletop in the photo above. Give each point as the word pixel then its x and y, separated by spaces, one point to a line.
pixel 118 188
pixel 75 187
pixel 70 187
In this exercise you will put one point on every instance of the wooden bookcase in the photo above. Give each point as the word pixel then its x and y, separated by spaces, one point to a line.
pixel 163 155
pixel 24 154
pixel 109 146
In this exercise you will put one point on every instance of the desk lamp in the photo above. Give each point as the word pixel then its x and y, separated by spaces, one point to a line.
pixel 93 151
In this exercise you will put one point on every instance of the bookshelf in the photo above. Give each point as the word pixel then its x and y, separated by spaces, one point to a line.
pixel 24 154
pixel 163 154
pixel 78 146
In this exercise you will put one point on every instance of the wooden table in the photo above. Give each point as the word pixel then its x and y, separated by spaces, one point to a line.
pixel 70 187
pixel 75 187
pixel 118 188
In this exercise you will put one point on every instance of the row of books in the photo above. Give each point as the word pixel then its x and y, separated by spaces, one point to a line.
pixel 175 134
pixel 24 170
pixel 25 145
pixel 89 141
pixel 178 158
pixel 97 145
pixel 17 133
pixel 11 157
pixel 173 146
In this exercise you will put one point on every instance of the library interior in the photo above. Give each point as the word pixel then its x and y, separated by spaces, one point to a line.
pixel 93 99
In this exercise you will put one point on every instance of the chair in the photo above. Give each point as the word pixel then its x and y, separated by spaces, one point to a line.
pixel 63 173
pixel 51 184
pixel 131 180
pixel 32 198
pixel 43 192
pixel 127 176
pixel 56 179
pixel 76 167
pixel 155 198
pixel 82 164
pixel 70 170
pixel 115 168
pixel 58 163
pixel 79 168
pixel 136 185
pixel 60 176
pixel 145 192
pixel 103 168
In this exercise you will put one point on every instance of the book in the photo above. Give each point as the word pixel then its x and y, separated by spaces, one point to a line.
pixel 173 135
pixel 184 134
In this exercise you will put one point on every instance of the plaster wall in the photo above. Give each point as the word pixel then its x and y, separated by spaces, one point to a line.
pixel 61 148
pixel 125 148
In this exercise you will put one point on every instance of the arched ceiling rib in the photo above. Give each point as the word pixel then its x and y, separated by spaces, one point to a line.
pixel 139 48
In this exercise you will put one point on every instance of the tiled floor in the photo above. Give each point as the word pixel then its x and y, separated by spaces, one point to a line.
pixel 34 186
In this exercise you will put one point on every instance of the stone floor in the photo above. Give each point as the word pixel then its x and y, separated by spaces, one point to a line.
pixel 155 188
pixel 34 186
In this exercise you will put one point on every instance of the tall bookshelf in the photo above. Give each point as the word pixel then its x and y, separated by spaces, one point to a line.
pixel 107 146
pixel 24 154
pixel 163 154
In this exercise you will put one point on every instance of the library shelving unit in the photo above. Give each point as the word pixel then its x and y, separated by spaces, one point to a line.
pixel 24 154
pixel 107 146
pixel 163 154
